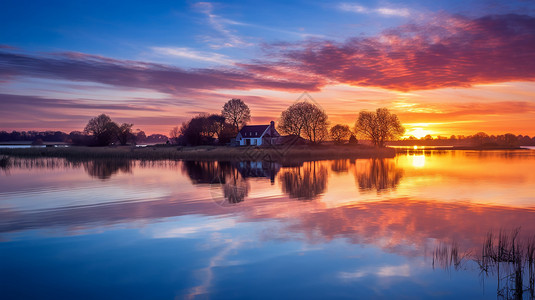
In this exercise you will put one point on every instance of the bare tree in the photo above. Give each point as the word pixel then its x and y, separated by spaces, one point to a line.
pixel 124 133
pixel 379 126
pixel 103 129
pixel 340 133
pixel 174 134
pixel 306 120
pixel 236 112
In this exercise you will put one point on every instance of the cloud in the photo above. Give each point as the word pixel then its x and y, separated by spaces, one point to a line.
pixel 75 66
pixel 23 103
pixel 192 54
pixel 449 112
pixel 225 38
pixel 386 11
pixel 450 51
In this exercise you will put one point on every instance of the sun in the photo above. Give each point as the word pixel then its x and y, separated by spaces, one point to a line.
pixel 418 132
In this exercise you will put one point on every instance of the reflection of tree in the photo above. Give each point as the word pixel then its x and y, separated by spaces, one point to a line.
pixel 205 172
pixel 258 169
pixel 506 256
pixel 104 169
pixel 306 182
pixel 235 188
pixel 340 165
pixel 223 176
pixel 381 174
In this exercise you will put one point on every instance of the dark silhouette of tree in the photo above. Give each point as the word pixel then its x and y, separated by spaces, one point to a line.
pixel 236 112
pixel 140 136
pixel 306 120
pixel 124 134
pixel 510 140
pixel 103 129
pixel 340 133
pixel 174 135
pixel 205 130
pixel 353 140
pixel 379 126
pixel 220 128
pixel 480 138
pixel 156 138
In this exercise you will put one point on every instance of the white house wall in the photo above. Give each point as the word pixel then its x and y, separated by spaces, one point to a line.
pixel 254 141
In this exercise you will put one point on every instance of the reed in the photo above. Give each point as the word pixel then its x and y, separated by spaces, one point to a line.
pixel 4 162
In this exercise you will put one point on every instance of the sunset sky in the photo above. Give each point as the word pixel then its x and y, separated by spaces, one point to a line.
pixel 444 67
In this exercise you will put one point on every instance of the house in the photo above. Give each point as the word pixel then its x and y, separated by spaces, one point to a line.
pixel 258 135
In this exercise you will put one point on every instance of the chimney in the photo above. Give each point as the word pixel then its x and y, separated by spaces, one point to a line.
pixel 272 124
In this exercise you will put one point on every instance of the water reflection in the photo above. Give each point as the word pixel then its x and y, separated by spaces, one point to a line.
pixel 379 175
pixel 306 182
pixel 508 256
pixel 229 178
pixel 104 169
pixel 340 165
pixel 450 200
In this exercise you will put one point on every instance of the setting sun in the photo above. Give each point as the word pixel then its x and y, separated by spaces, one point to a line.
pixel 418 132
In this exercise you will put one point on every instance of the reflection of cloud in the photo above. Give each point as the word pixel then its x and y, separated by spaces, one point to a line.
pixel 207 273
pixel 385 271
pixel 185 231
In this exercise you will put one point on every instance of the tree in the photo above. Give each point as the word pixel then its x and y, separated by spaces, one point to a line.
pixel 353 140
pixel 511 140
pixel 236 112
pixel 480 138
pixel 340 133
pixel 305 120
pixel 379 126
pixel 174 135
pixel 140 136
pixel 103 130
pixel 124 134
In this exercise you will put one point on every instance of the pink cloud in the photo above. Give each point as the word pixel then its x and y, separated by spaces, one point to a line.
pixel 448 52
pixel 163 78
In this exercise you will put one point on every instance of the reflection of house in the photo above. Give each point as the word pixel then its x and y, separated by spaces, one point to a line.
pixel 258 169
pixel 257 135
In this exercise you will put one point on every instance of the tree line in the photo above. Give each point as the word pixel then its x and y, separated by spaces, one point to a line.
pixel 99 131
pixel 303 119
pixel 478 139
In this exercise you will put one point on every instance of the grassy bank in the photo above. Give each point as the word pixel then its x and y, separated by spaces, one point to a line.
pixel 205 153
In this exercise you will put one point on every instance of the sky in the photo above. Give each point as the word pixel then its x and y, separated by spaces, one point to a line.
pixel 444 67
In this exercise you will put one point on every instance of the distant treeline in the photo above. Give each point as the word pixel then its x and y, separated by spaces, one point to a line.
pixel 478 139
pixel 74 137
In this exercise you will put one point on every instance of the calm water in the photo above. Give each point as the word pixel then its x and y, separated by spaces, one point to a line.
pixel 410 227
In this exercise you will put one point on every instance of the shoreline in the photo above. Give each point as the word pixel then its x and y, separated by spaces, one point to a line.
pixel 222 153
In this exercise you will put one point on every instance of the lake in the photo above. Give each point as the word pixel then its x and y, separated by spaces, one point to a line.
pixel 425 224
